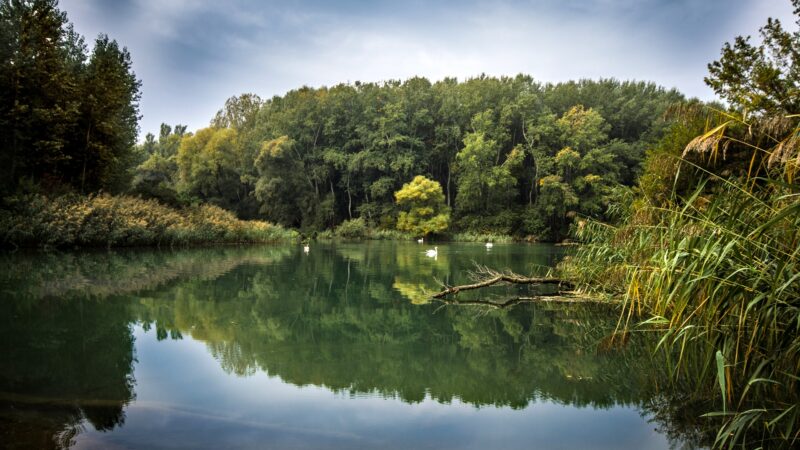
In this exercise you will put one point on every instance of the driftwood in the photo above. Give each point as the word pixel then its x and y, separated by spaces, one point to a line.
pixel 485 277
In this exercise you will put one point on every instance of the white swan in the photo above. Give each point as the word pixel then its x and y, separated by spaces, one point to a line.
pixel 420 240
pixel 432 253
pixel 306 248
pixel 489 245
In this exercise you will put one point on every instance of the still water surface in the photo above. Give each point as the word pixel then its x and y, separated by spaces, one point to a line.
pixel 268 347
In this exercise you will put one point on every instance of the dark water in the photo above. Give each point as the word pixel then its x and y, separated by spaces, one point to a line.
pixel 268 347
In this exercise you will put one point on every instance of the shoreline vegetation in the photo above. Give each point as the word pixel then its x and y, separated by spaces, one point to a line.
pixel 104 220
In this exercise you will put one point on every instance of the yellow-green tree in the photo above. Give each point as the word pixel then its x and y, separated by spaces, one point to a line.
pixel 424 210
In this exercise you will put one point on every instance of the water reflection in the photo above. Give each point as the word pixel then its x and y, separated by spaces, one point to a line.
pixel 351 319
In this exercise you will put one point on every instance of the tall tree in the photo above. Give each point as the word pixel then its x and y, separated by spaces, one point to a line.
pixel 108 123
pixel 38 103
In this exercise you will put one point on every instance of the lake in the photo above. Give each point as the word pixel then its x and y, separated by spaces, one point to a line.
pixel 340 348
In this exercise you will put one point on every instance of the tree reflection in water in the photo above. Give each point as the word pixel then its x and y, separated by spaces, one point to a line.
pixel 346 317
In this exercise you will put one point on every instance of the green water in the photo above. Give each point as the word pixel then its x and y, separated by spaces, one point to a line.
pixel 269 347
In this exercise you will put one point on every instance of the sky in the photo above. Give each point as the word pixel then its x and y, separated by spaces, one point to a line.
pixel 191 55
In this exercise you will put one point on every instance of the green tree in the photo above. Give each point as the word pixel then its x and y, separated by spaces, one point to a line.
pixel 209 164
pixel 64 119
pixel 38 92
pixel 485 182
pixel 762 78
pixel 281 189
pixel 108 124
pixel 424 207
pixel 239 112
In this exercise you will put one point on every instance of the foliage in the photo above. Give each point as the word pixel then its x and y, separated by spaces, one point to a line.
pixel 763 78
pixel 157 176
pixel 209 163
pixel 424 209
pixel 313 158
pixel 104 220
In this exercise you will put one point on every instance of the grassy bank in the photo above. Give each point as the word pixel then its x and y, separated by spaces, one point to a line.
pixel 120 221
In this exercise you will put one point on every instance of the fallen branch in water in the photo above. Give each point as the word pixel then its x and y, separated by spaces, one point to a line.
pixel 485 277
pixel 488 277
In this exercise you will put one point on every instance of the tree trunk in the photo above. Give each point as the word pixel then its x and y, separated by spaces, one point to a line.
pixel 448 183
pixel 85 154
pixel 333 196
pixel 349 200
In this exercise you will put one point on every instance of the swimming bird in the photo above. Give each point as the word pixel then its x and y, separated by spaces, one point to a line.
pixel 420 240
pixel 489 245
pixel 306 248
pixel 432 253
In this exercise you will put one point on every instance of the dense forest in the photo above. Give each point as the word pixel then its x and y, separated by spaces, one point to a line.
pixel 68 117
pixel 511 155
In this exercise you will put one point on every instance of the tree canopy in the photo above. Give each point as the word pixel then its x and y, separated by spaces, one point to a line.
pixel 424 211
pixel 316 157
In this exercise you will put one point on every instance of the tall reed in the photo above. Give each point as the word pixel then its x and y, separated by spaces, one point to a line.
pixel 717 272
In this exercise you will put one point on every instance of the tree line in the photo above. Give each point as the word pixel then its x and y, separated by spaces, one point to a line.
pixel 510 154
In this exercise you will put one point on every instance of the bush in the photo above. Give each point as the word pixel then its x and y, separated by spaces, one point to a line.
pixel 352 229
pixel 481 237
pixel 104 220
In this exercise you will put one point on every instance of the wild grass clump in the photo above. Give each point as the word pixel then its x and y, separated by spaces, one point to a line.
pixel 119 221
pixel 470 236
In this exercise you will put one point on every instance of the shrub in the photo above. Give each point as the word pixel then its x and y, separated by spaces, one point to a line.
pixel 104 220
pixel 352 229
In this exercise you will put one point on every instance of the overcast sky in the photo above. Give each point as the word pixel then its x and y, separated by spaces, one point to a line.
pixel 191 55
